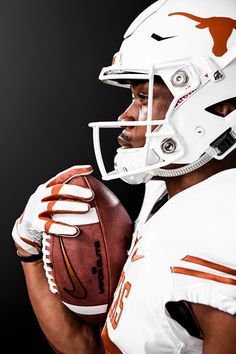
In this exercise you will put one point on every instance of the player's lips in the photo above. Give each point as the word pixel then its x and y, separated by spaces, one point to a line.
pixel 124 140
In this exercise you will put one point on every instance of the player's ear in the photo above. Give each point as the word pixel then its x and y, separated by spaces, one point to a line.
pixel 224 108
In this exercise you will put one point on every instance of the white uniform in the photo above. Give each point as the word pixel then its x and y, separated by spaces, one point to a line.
pixel 185 251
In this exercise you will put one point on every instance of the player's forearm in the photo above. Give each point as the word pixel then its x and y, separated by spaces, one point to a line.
pixel 66 333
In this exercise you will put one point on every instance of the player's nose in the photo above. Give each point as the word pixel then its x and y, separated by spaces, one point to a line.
pixel 127 116
pixel 123 119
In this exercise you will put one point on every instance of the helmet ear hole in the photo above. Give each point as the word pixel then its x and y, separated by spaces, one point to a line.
pixel 222 109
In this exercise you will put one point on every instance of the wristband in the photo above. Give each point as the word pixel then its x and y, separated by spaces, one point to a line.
pixel 31 258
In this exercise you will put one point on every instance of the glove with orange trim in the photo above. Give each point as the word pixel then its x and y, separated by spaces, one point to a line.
pixel 46 209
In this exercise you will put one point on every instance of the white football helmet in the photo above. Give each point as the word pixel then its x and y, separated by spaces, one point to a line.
pixel 191 45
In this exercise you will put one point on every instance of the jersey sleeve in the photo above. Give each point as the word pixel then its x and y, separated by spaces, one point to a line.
pixel 207 275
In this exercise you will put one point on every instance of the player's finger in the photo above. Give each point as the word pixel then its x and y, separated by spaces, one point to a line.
pixel 57 228
pixel 67 191
pixel 66 175
pixel 66 206
pixel 63 230
pixel 88 218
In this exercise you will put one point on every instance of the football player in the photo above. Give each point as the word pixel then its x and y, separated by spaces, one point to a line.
pixel 177 291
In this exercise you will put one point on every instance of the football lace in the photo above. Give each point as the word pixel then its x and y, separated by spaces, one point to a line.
pixel 47 262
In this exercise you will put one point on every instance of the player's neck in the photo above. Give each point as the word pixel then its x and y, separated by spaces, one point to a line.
pixel 177 184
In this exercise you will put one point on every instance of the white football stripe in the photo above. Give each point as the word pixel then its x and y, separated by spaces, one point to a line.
pixel 87 310
pixel 90 217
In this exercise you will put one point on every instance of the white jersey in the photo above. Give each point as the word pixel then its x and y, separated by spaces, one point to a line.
pixel 185 251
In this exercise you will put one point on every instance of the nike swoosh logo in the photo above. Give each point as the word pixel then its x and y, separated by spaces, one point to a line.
pixel 78 291
pixel 135 257
pixel 159 38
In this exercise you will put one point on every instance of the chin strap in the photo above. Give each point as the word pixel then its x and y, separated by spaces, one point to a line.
pixel 175 172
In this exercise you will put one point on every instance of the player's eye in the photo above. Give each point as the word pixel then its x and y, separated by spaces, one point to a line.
pixel 143 98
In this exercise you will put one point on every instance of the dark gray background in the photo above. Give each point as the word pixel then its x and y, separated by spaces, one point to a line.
pixel 51 53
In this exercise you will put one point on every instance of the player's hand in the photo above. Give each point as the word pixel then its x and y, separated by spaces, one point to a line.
pixel 47 207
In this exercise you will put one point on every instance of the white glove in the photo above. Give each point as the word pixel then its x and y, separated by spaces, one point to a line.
pixel 53 198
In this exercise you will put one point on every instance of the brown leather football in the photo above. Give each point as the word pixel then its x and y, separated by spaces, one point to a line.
pixel 85 270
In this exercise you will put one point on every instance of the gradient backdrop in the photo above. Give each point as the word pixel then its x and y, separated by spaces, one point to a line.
pixel 51 53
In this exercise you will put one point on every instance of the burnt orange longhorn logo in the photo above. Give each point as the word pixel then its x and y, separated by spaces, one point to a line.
pixel 220 29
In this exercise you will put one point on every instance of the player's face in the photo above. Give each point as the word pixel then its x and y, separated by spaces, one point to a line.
pixel 132 137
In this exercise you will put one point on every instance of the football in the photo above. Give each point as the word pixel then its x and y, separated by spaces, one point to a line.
pixel 84 270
